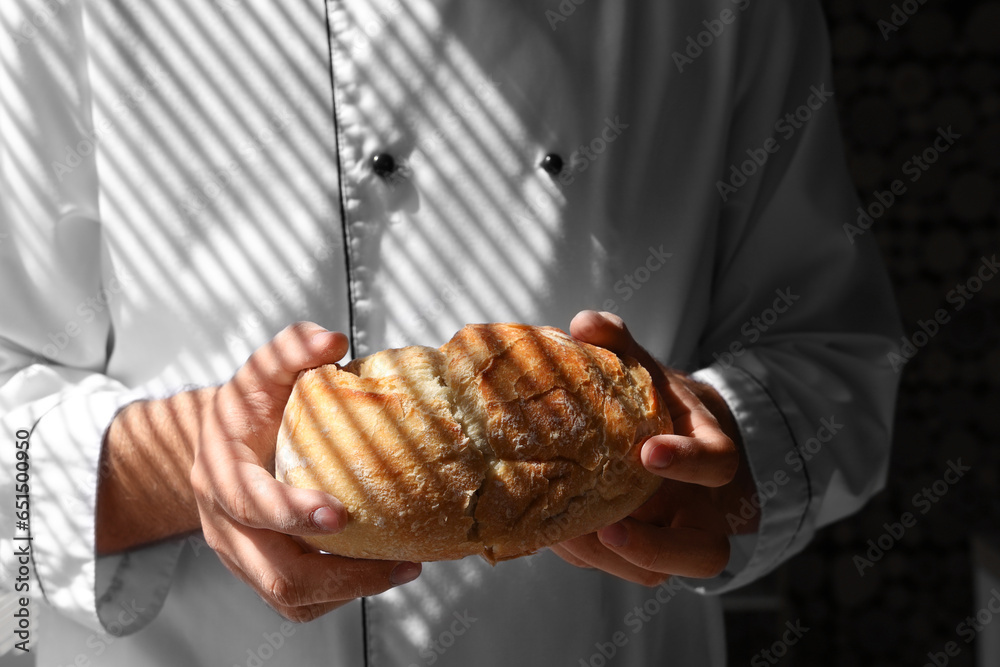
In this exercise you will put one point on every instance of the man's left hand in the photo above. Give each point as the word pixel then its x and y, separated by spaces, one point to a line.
pixel 682 529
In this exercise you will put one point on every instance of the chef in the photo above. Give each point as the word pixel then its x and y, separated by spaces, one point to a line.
pixel 198 200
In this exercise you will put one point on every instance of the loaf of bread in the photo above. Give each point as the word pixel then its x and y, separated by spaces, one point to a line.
pixel 507 439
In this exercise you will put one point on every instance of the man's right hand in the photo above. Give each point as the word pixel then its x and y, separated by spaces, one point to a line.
pixel 204 459
pixel 247 515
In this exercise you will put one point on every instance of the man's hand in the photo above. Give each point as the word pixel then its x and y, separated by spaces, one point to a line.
pixel 247 515
pixel 204 459
pixel 682 529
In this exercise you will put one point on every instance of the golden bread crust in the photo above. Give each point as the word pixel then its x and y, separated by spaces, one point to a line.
pixel 505 440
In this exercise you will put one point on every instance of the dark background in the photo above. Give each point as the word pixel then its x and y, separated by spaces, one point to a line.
pixel 939 69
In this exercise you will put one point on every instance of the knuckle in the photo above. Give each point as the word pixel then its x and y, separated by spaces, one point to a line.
pixel 201 485
pixel 616 321
pixel 645 558
pixel 297 330
pixel 282 590
pixel 249 384
pixel 731 463
pixel 213 542
pixel 238 504
pixel 197 478
pixel 725 462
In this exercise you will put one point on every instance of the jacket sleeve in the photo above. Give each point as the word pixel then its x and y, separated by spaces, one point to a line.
pixel 802 315
pixel 56 326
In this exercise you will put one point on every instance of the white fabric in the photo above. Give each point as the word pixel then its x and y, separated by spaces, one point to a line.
pixel 179 180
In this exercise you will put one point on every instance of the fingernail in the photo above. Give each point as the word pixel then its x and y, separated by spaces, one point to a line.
pixel 615 535
pixel 661 456
pixel 404 573
pixel 326 519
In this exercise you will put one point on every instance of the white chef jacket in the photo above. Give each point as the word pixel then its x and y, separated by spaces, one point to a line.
pixel 180 180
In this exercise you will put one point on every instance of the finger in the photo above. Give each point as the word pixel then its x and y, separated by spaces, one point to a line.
pixel 309 612
pixel 252 497
pixel 604 329
pixel 710 460
pixel 703 454
pixel 688 552
pixel 568 556
pixel 589 549
pixel 285 575
pixel 295 348
pixel 689 413
pixel 607 330
pixel 300 614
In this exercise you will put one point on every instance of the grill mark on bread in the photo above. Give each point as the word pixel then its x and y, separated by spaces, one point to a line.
pixel 521 435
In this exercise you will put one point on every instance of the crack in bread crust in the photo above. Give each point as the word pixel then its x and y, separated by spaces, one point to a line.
pixel 472 535
pixel 506 439
pixel 557 420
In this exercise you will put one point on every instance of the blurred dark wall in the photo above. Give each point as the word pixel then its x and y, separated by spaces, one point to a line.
pixel 894 90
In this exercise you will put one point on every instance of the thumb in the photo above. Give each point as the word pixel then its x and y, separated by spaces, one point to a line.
pixel 295 348
pixel 252 497
pixel 604 329
pixel 607 330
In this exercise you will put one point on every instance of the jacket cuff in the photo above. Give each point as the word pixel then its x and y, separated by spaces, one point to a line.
pixel 132 587
pixel 783 490
pixel 116 594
